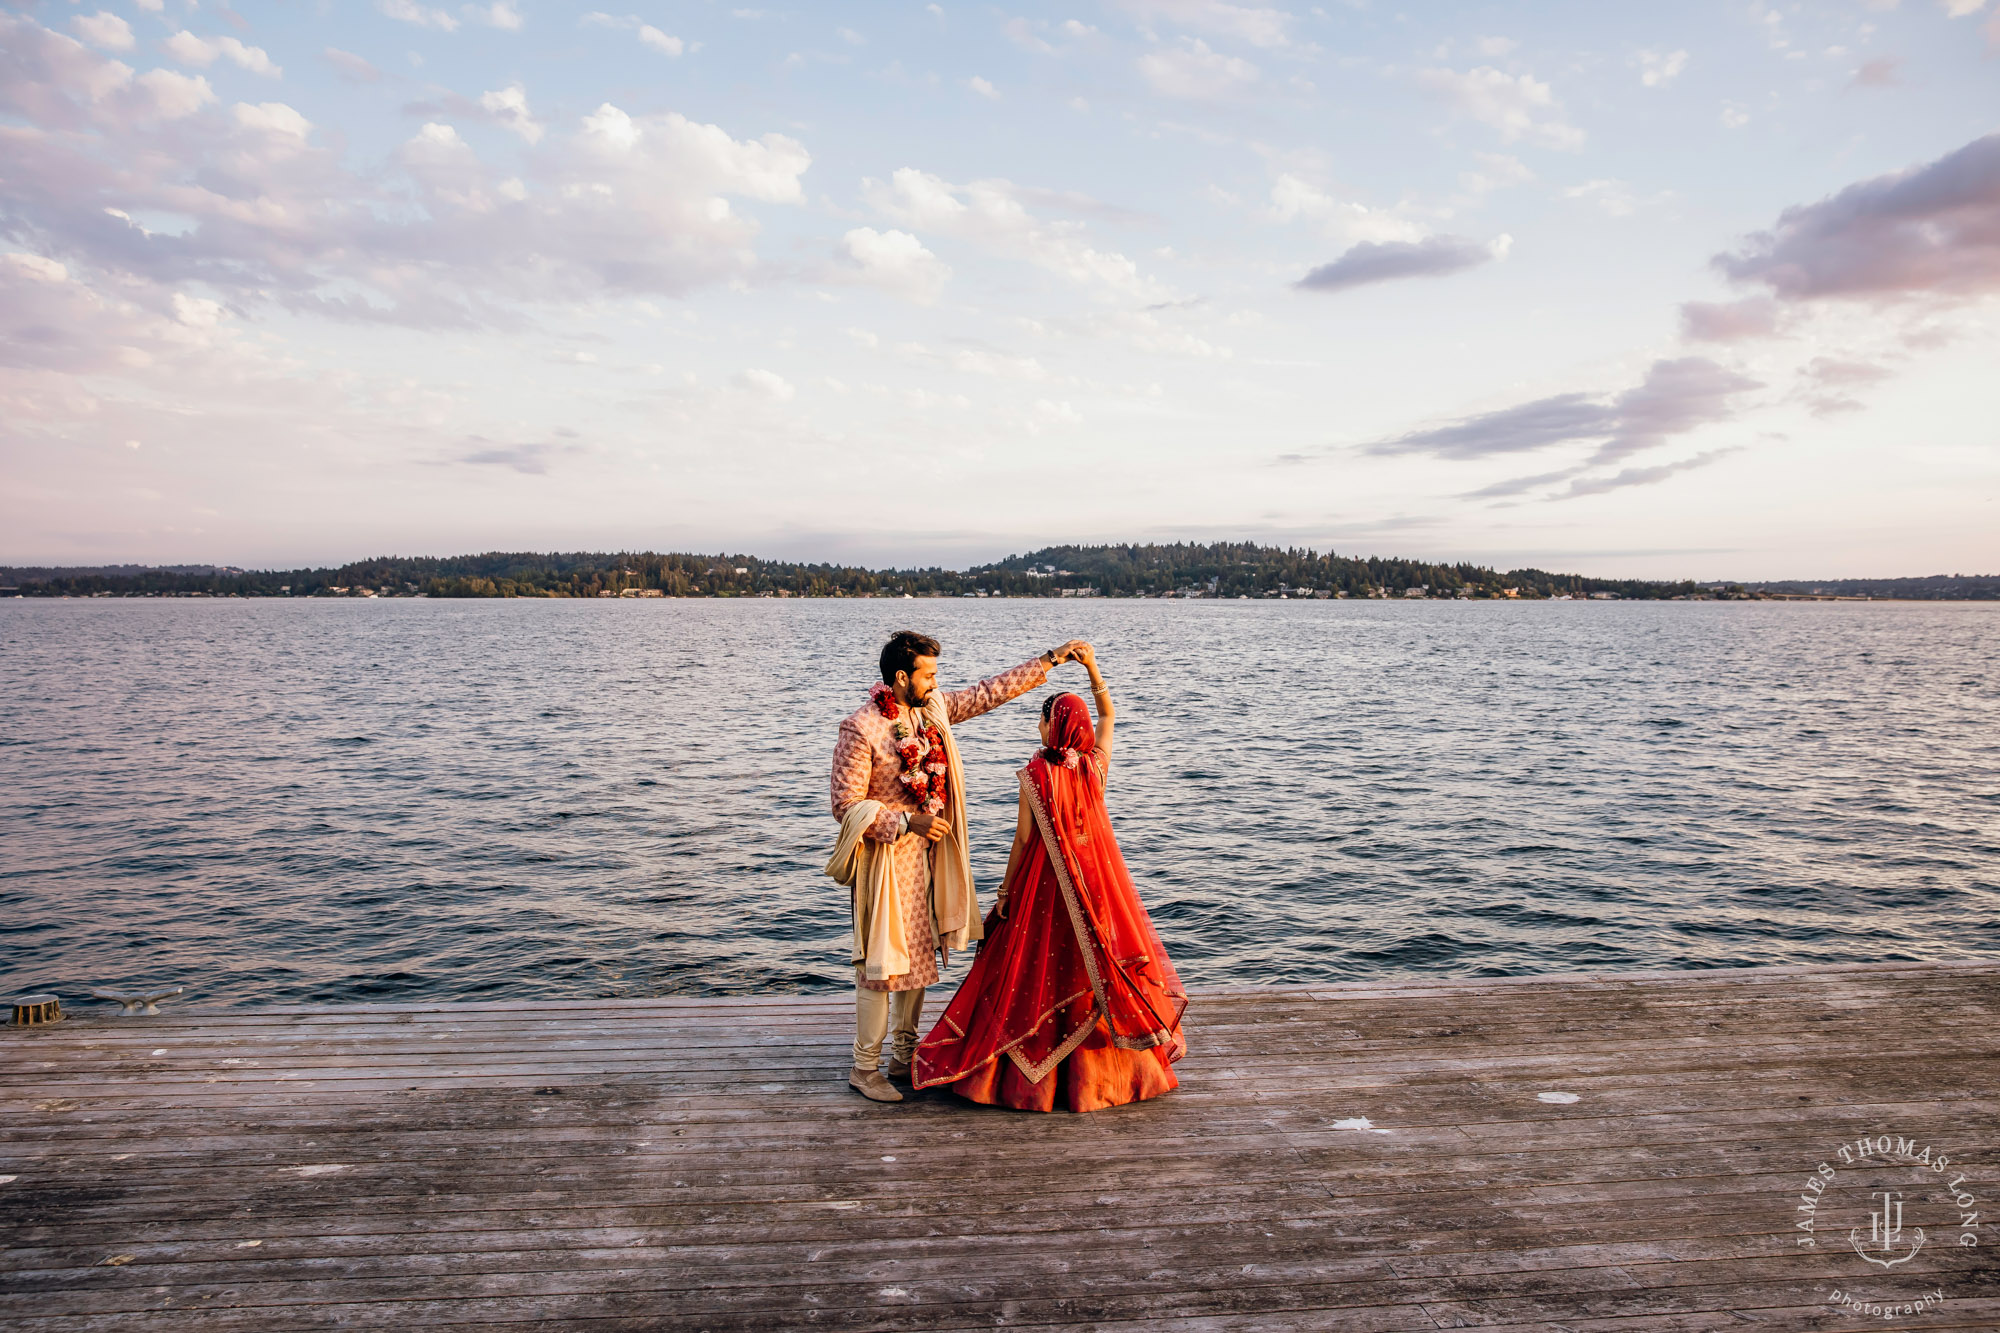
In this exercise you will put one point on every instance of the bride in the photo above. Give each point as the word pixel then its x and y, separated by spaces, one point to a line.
pixel 1071 996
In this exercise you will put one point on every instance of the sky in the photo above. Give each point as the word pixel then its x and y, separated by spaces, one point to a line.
pixel 1698 290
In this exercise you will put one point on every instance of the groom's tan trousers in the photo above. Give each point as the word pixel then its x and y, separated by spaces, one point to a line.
pixel 877 1013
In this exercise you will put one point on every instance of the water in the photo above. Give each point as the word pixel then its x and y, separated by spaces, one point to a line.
pixel 400 800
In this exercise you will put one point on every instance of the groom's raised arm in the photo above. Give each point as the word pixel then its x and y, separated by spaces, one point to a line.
pixel 990 693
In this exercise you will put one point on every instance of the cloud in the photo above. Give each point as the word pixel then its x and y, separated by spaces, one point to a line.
pixel 272 118
pixel 1254 24
pixel 665 43
pixel 104 29
pixel 1150 331
pixel 1293 197
pixel 997 365
pixel 1676 396
pixel 1076 201
pixel 1959 9
pixel 1535 425
pixel 1497 171
pixel 1612 196
pixel 1877 73
pixel 509 109
pixel 1642 476
pixel 500 15
pixel 649 36
pixel 1386 261
pixel 351 67
pixel 531 459
pixel 1928 231
pixel 1518 106
pixel 1513 486
pixel 1657 69
pixel 1022 34
pixel 1754 317
pixel 59 327
pixel 174 96
pixel 983 88
pixel 613 204
pixel 189 49
pixel 1195 73
pixel 894 261
pixel 977 360
pixel 408 11
pixel 1826 383
pixel 768 384
pixel 990 213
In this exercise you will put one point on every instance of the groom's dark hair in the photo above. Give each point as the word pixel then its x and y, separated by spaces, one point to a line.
pixel 905 646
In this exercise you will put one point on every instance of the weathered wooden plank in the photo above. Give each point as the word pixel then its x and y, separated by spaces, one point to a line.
pixel 1235 1035
pixel 1834 982
pixel 681 1169
pixel 163 1078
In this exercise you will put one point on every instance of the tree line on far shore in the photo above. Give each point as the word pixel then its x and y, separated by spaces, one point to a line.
pixel 1221 569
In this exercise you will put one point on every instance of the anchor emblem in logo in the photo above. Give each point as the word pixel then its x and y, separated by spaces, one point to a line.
pixel 1883 1229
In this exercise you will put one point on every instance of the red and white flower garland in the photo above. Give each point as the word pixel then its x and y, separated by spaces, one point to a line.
pixel 925 772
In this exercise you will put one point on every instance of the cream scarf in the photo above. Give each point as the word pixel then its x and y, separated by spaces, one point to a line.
pixel 868 868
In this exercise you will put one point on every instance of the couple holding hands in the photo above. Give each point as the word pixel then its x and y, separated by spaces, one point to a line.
pixel 1071 998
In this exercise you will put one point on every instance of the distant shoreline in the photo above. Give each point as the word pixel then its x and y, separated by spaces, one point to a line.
pixel 1222 571
pixel 14 595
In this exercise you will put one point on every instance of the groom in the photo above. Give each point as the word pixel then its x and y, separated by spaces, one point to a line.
pixel 899 792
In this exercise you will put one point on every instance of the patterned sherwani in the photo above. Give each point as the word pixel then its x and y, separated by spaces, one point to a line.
pixel 866 767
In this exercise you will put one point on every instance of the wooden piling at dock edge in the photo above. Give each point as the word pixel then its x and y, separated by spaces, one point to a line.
pixel 1590 1152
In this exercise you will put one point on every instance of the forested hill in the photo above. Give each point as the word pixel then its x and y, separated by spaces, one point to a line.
pixel 1241 569
pixel 1930 588
pixel 1222 569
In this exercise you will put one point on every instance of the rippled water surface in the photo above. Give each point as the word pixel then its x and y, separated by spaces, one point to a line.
pixel 413 799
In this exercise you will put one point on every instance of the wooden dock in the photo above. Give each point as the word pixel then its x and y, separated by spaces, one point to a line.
pixel 1573 1152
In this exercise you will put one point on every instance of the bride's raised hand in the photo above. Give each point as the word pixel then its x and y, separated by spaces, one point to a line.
pixel 1081 651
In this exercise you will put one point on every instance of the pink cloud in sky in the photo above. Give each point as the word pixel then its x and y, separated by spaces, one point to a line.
pixel 1931 230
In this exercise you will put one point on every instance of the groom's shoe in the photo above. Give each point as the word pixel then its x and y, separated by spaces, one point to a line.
pixel 899 1070
pixel 870 1084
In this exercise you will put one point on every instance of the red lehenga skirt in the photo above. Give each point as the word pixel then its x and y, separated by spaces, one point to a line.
pixel 1071 998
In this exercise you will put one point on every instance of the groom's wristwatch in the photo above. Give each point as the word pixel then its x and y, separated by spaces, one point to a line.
pixel 1048 658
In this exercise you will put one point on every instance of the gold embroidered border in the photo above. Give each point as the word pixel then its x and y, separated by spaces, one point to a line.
pixel 1009 1048
pixel 1059 858
pixel 1080 924
pixel 1059 861
pixel 1036 1073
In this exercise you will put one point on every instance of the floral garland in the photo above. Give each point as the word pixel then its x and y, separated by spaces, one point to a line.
pixel 922 750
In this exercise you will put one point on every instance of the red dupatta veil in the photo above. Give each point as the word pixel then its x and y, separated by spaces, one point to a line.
pixel 1075 944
